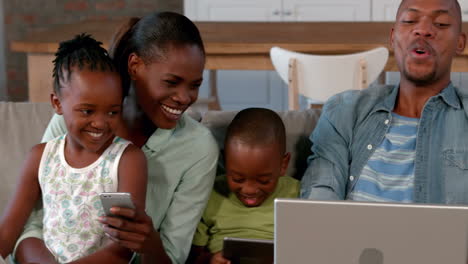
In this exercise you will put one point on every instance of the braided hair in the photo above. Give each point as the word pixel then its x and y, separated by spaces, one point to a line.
pixel 81 52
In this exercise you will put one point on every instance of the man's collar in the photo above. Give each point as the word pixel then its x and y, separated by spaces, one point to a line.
pixel 448 95
pixel 390 101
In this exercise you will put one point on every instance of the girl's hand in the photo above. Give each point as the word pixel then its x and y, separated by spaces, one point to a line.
pixel 219 259
pixel 133 229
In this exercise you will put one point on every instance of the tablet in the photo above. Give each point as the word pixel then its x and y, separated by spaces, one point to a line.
pixel 248 251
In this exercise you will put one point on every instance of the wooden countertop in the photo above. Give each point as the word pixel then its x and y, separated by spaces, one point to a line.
pixel 237 37
pixel 246 45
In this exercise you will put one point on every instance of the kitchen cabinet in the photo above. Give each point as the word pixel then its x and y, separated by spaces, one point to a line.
pixel 229 10
pixel 326 10
pixel 278 10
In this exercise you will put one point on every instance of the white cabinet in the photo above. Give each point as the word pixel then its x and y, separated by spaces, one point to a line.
pixel 464 9
pixel 384 10
pixel 229 10
pixel 326 10
pixel 278 10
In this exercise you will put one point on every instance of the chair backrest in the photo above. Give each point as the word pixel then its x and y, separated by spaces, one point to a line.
pixel 319 77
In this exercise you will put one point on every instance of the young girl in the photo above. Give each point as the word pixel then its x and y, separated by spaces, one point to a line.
pixel 71 170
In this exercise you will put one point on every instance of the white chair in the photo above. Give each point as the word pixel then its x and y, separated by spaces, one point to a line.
pixel 318 77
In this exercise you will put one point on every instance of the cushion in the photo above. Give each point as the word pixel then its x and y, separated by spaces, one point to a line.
pixel 299 126
pixel 21 126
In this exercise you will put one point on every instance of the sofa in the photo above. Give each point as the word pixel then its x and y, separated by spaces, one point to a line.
pixel 22 126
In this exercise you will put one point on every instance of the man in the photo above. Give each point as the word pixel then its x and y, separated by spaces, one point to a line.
pixel 404 143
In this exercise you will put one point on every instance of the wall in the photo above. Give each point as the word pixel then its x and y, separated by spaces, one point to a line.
pixel 24 16
pixel 3 92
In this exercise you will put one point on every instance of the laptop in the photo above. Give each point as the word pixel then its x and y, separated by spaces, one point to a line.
pixel 338 232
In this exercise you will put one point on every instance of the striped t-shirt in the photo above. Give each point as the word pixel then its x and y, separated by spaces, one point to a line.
pixel 389 174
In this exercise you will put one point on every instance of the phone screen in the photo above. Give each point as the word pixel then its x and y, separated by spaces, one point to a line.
pixel 115 199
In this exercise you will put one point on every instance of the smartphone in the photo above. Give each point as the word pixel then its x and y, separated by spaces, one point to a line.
pixel 115 199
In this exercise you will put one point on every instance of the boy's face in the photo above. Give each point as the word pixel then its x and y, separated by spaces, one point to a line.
pixel 252 172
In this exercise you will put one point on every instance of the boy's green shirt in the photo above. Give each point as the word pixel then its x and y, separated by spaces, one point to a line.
pixel 226 216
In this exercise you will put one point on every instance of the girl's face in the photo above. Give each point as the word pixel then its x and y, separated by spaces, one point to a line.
pixel 167 87
pixel 91 105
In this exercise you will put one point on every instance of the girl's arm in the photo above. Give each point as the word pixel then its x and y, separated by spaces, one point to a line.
pixel 34 250
pixel 24 199
pixel 132 179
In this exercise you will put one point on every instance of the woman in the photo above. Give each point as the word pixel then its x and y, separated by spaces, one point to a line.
pixel 161 59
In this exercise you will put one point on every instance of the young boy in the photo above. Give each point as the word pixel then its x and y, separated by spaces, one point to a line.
pixel 241 204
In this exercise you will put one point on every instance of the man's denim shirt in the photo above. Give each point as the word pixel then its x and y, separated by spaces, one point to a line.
pixel 354 123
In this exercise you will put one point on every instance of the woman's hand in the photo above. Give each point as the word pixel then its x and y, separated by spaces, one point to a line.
pixel 219 259
pixel 133 229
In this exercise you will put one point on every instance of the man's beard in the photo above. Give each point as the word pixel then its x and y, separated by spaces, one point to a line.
pixel 426 79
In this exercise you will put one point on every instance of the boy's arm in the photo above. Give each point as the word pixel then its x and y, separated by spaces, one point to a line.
pixel 132 179
pixel 19 208
pixel 218 258
pixel 199 255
